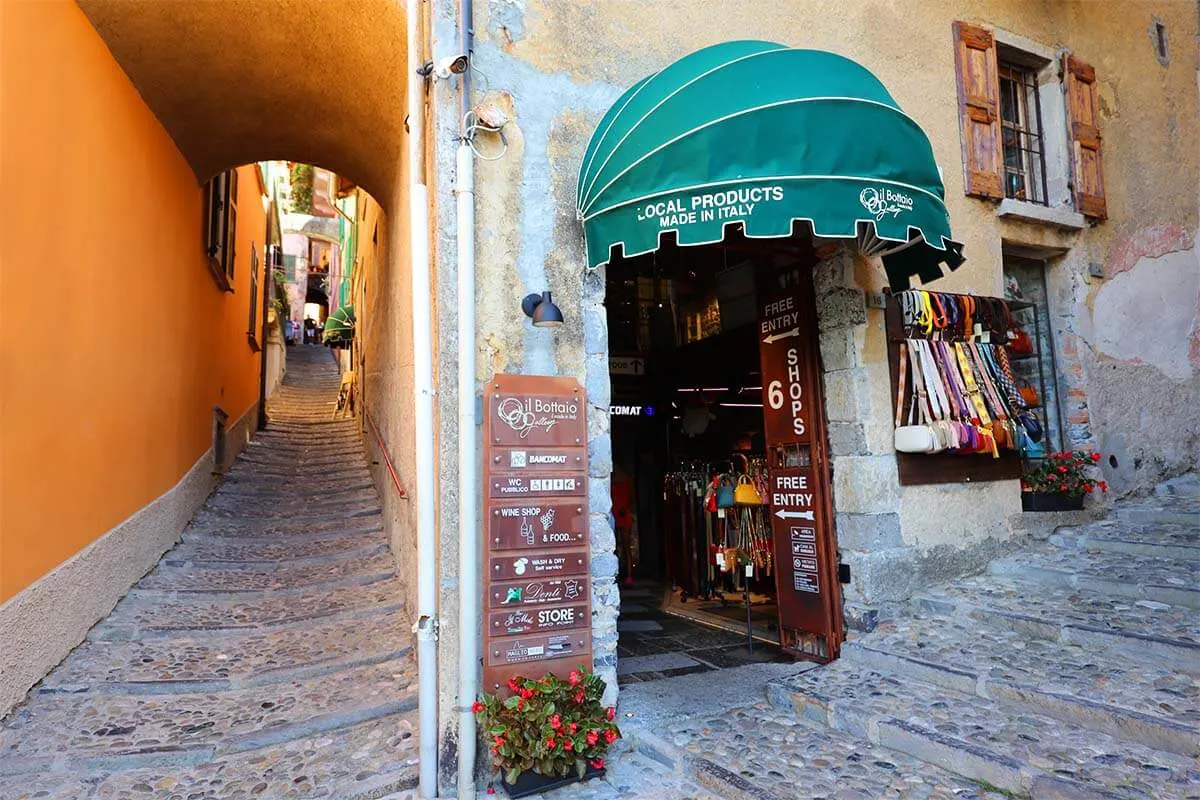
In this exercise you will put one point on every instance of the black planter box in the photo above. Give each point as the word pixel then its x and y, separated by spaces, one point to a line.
pixel 1051 501
pixel 530 782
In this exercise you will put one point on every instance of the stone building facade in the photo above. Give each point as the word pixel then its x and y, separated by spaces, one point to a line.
pixel 1121 292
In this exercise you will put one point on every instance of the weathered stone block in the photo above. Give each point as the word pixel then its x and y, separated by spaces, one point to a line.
pixel 845 393
pixel 882 576
pixel 840 308
pixel 847 439
pixel 595 330
pixel 866 485
pixel 601 537
pixel 597 383
pixel 600 456
pixel 599 496
pixel 604 565
pixel 837 349
pixel 835 272
pixel 869 532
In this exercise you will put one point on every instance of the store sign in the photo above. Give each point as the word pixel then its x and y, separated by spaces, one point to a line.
pixel 626 365
pixel 536 551
pixel 540 525
pixel 802 534
pixel 631 411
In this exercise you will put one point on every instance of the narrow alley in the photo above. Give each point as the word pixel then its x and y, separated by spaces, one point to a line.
pixel 266 655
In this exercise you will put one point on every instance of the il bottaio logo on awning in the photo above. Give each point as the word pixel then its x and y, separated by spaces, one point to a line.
pixel 881 202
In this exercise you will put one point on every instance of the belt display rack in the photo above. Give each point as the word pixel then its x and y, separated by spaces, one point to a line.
pixel 957 319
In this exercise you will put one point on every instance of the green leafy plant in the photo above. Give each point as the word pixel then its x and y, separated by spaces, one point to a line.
pixel 548 725
pixel 302 188
pixel 1064 473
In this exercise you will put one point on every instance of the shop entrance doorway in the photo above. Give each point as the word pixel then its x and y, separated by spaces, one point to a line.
pixel 720 464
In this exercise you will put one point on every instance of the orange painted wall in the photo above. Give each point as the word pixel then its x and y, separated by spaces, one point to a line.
pixel 115 342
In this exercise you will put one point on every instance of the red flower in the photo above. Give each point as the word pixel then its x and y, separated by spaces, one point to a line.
pixel 579 697
pixel 555 722
pixel 1095 456
pixel 574 727
pixel 550 743
pixel 512 685
pixel 1062 470
pixel 598 763
pixel 611 713
pixel 1087 487
pixel 527 694
pixel 592 738
pixel 574 678
pixel 610 736
pixel 1103 486
pixel 520 703
pixel 491 790
pixel 499 741
pixel 476 707
pixel 568 745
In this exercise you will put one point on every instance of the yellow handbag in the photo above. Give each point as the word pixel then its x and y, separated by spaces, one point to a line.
pixel 746 493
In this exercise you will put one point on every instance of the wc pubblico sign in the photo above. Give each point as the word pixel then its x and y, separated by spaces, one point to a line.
pixel 537 585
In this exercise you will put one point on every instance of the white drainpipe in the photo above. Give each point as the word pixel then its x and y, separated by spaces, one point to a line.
pixel 468 477
pixel 426 624
pixel 469 585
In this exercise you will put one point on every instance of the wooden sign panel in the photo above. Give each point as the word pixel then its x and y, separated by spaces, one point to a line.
pixel 809 597
pixel 536 550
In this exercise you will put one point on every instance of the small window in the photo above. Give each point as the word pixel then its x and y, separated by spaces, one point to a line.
pixel 220 226
pixel 1021 136
pixel 1158 33
pixel 252 325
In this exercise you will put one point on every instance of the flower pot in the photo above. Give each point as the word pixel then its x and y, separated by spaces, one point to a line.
pixel 1051 501
pixel 530 782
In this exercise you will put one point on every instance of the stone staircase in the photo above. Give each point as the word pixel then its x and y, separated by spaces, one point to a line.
pixel 1071 669
pixel 1068 670
pixel 268 653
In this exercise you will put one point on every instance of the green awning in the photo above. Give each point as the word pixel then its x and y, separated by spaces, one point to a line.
pixel 339 326
pixel 772 138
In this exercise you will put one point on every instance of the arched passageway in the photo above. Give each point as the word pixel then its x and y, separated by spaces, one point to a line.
pixel 237 81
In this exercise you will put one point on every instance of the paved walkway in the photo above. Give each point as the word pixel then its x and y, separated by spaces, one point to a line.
pixel 1069 670
pixel 266 656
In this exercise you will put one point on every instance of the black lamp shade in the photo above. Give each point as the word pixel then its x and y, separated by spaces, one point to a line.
pixel 542 310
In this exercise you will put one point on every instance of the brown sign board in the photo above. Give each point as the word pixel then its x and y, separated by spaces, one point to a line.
pixel 550 524
pixel 799 497
pixel 535 507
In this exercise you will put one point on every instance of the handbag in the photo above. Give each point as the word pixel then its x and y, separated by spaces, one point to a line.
pixel 725 492
pixel 1020 343
pixel 746 493
pixel 1029 395
pixel 911 438
pixel 1031 425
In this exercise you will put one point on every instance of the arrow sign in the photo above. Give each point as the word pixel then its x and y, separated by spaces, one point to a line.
pixel 775 337
pixel 808 515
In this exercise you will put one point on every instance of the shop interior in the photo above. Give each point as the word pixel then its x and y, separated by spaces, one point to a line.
pixel 687 428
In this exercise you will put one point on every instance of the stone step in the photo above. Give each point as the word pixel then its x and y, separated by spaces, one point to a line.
pixel 766 753
pixel 360 761
pixel 1185 486
pixel 1028 754
pixel 1142 701
pixel 291 506
pixel 177 727
pixel 220 522
pixel 135 618
pixel 259 491
pixel 239 659
pixel 167 578
pixel 1175 542
pixel 298 534
pixel 1175 512
pixel 226 553
pixel 1116 574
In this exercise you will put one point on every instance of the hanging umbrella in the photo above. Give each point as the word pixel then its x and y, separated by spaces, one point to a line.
pixel 339 326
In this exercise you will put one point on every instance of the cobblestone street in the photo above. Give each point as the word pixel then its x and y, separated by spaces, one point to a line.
pixel 266 656
pixel 1069 670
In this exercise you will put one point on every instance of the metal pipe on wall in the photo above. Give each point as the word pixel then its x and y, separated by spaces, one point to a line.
pixel 469 598
pixel 426 625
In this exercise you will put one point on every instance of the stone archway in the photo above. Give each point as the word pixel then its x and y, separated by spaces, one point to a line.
pixel 237 81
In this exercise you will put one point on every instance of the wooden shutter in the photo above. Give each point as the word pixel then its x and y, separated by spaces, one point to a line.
pixel 231 198
pixel 1083 121
pixel 979 109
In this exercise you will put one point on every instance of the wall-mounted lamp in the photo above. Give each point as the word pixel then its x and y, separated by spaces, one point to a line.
pixel 541 309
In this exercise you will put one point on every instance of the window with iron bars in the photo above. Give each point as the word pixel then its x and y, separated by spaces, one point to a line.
pixel 1022 136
